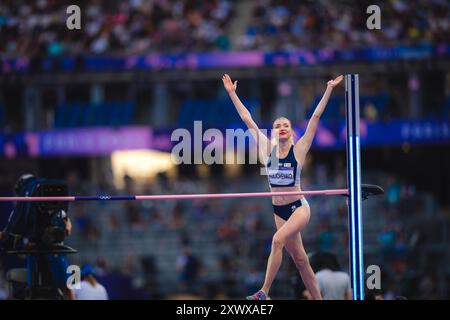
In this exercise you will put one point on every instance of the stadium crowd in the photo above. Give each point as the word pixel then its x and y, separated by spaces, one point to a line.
pixel 132 27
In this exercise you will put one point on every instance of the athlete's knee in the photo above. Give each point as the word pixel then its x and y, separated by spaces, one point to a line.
pixel 278 241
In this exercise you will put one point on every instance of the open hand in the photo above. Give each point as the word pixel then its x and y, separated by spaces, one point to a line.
pixel 228 84
pixel 335 82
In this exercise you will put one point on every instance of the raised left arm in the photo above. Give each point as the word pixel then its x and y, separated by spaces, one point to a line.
pixel 302 146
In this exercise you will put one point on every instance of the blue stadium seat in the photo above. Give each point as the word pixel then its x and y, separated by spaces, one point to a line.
pixel 113 114
pixel 75 115
pixel 60 116
pixel 335 107
pixel 88 115
pixel 213 113
pixel 378 101
pixel 127 113
pixel 92 114
pixel 101 112
pixel 183 116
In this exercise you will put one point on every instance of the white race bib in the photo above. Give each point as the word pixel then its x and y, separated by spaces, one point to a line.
pixel 282 176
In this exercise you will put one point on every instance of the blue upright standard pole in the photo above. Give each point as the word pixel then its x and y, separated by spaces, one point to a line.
pixel 354 186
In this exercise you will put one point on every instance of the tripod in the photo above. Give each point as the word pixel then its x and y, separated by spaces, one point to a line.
pixel 36 281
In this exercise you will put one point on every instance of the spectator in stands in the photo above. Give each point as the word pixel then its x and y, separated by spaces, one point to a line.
pixel 84 223
pixel 393 192
pixel 127 27
pixel 326 237
pixel 177 221
pixel 334 284
pixel 291 24
pixel 428 284
pixel 139 27
pixel 134 216
pixel 373 295
pixel 130 187
pixel 253 279
pixel 90 289
pixel 370 112
pixel 188 267
pixel 229 280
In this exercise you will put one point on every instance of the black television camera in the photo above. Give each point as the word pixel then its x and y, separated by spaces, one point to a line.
pixel 37 230
pixel 40 223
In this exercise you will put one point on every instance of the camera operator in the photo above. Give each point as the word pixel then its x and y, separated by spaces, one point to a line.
pixel 36 231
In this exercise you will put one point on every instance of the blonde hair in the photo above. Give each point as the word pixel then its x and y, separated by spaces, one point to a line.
pixel 294 135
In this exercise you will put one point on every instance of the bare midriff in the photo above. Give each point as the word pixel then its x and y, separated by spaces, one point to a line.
pixel 283 200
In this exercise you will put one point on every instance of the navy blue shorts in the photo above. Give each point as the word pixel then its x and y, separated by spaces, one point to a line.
pixel 285 211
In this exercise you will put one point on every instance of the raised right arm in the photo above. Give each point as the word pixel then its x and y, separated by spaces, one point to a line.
pixel 264 143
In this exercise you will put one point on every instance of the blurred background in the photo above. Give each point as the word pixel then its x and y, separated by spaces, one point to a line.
pixel 97 106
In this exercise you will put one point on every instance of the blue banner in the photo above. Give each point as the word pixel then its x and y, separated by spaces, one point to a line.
pixel 234 59
pixel 104 141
